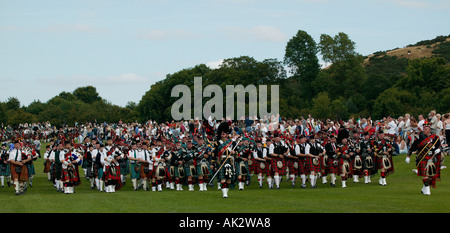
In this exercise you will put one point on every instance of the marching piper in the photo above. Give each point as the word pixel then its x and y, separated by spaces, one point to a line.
pixel 333 162
pixel 344 155
pixel 241 159
pixel 19 171
pixel 203 164
pixel 159 167
pixel 278 151
pixel 225 151
pixel 383 159
pixel 146 165
pixel 260 155
pixel 70 175
pixel 367 157
pixel 5 171
pixel 56 157
pixel 316 150
pixel 133 157
pixel 428 158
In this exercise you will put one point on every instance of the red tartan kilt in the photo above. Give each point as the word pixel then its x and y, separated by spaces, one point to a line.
pixel 281 171
pixel 290 165
pixel 67 177
pixel 108 173
pixel 254 166
pixel 331 168
pixel 266 170
pixel 165 169
pixel 309 166
pixel 341 166
pixel 23 176
pixel 421 169
pixel 379 162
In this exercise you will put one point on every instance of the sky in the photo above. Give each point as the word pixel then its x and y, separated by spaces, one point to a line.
pixel 123 47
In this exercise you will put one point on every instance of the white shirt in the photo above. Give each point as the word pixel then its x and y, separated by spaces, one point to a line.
pixel 13 153
pixel 255 153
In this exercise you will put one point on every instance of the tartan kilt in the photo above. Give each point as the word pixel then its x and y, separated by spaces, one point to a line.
pixel 200 171
pixel 221 173
pixel 56 171
pixel 47 166
pixel 266 169
pixel 331 168
pixel 70 176
pixel 177 172
pixel 253 165
pixel 309 166
pixel 238 168
pixel 379 162
pixel 275 169
pixel 134 171
pixel 166 170
pixel 108 174
pixel 31 170
pixel 23 176
pixel 290 165
pixel 187 170
pixel 5 169
pixel 421 168
pixel 355 171
pixel 341 166
pixel 125 168
pixel 142 174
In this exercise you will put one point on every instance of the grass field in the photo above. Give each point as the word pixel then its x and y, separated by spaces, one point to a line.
pixel 401 195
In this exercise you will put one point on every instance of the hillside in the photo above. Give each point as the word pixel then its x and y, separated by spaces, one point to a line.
pixel 423 49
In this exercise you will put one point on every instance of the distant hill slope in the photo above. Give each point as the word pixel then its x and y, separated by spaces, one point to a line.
pixel 440 46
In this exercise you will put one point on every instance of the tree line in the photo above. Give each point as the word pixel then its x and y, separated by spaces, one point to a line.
pixel 384 85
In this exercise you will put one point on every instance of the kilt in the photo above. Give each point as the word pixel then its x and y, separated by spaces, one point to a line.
pixel 31 170
pixel 23 176
pixel 238 168
pixel 222 170
pixel 354 170
pixel 110 175
pixel 177 172
pixel 275 169
pixel 47 165
pixel 421 168
pixel 266 169
pixel 142 169
pixel 70 175
pixel 5 169
pixel 332 168
pixel 166 170
pixel 379 162
pixel 56 171
pixel 341 166
pixel 200 172
pixel 125 168
pixel 187 170
pixel 291 167
pixel 309 166
pixel 134 174
pixel 253 165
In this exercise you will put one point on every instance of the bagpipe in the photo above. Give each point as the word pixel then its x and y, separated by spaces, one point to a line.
pixel 430 168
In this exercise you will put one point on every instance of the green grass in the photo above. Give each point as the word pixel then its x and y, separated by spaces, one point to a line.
pixel 401 195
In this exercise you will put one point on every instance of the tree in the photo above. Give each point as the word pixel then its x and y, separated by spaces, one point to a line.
pixel 321 106
pixel 13 103
pixel 337 48
pixel 301 58
pixel 87 94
